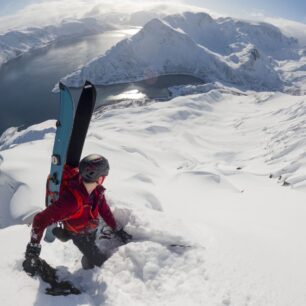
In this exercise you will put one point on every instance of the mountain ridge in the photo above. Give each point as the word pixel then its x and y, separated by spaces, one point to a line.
pixel 162 48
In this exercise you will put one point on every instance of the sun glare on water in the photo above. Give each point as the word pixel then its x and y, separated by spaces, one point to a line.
pixel 134 94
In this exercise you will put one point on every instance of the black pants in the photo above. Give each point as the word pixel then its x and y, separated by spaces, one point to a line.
pixel 86 243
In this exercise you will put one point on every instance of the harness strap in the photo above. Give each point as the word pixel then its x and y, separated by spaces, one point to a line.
pixel 78 213
pixel 68 174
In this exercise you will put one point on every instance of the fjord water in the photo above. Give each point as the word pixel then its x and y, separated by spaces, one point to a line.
pixel 26 83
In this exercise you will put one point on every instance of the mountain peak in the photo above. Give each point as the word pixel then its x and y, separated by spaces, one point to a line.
pixel 225 50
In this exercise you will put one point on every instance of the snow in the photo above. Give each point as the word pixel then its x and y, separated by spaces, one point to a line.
pixel 195 171
pixel 220 169
pixel 252 55
pixel 17 42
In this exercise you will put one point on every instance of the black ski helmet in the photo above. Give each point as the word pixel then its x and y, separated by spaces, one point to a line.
pixel 92 167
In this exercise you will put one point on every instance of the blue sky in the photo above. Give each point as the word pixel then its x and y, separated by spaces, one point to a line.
pixel 11 6
pixel 289 9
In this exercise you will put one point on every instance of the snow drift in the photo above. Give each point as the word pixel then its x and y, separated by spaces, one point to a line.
pixel 194 170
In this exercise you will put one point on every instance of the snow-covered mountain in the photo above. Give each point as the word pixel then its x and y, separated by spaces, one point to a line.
pixel 15 43
pixel 217 169
pixel 228 50
pixel 16 38
pixel 226 36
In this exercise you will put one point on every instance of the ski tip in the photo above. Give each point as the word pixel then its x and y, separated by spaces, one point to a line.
pixel 88 84
pixel 91 87
pixel 61 86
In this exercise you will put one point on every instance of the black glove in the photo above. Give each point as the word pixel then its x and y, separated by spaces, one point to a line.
pixel 106 233
pixel 31 258
pixel 123 236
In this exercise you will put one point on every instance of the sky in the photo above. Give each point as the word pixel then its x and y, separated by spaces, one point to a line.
pixel 289 9
pixel 27 11
pixel 11 6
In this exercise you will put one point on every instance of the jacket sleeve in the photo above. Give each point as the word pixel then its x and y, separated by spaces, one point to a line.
pixel 106 213
pixel 56 212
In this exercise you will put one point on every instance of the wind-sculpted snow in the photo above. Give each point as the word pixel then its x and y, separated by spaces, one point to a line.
pixel 15 43
pixel 227 50
pixel 15 207
pixel 212 187
pixel 11 137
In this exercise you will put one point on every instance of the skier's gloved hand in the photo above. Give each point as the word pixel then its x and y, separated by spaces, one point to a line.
pixel 31 258
pixel 123 235
pixel 106 233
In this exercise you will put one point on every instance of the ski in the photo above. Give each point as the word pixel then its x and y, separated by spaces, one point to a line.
pixel 82 119
pixel 109 235
pixel 64 127
pixel 74 142
pixel 63 131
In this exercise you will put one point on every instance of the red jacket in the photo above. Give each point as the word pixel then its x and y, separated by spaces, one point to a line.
pixel 76 209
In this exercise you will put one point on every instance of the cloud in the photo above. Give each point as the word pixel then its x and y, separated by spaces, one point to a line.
pixel 46 12
pixel 290 28
pixel 256 14
pixel 41 14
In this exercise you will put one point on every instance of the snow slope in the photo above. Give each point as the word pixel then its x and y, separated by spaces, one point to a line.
pixel 194 170
pixel 15 43
pixel 246 54
pixel 227 35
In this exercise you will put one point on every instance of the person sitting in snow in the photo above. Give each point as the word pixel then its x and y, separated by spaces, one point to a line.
pixel 81 201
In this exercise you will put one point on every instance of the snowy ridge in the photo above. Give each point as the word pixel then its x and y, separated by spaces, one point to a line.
pixel 231 51
pixel 12 137
pixel 227 35
pixel 15 43
pixel 141 47
pixel 194 170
